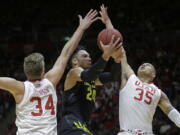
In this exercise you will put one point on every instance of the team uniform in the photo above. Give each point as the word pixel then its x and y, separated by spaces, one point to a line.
pixel 137 105
pixel 78 104
pixel 36 113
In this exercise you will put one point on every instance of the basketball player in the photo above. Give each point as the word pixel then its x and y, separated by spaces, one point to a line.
pixel 36 98
pixel 139 98
pixel 80 90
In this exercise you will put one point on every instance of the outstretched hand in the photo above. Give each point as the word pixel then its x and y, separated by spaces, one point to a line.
pixel 90 17
pixel 111 48
pixel 104 15
pixel 119 54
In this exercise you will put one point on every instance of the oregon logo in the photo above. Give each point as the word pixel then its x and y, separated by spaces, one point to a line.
pixel 83 127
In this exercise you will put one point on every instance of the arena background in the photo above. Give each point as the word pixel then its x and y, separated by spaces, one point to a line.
pixel 151 31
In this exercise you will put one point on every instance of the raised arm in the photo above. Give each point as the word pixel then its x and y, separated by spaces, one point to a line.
pixel 126 70
pixel 55 74
pixel 92 73
pixel 105 17
pixel 169 110
pixel 13 86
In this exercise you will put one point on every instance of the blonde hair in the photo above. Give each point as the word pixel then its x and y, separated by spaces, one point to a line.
pixel 34 65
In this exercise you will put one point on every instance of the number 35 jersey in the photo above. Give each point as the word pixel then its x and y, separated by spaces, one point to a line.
pixel 79 100
pixel 36 113
pixel 137 104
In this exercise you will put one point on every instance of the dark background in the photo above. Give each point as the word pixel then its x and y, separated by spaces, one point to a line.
pixel 151 31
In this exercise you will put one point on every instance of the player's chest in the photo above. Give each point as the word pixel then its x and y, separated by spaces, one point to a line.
pixel 89 91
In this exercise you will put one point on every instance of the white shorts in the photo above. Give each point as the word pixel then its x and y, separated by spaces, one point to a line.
pixel 124 133
pixel 130 132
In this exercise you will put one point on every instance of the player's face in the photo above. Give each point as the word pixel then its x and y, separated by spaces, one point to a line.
pixel 84 59
pixel 147 70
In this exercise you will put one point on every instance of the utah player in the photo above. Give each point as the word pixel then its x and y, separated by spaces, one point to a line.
pixel 36 98
pixel 138 99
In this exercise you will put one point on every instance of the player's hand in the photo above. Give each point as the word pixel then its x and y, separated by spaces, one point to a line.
pixel 109 50
pixel 118 54
pixel 123 51
pixel 90 17
pixel 104 15
pixel 121 56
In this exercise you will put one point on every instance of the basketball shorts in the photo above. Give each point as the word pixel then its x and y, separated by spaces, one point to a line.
pixel 71 125
pixel 131 132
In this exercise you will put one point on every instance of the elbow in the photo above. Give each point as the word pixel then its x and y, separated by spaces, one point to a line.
pixel 86 76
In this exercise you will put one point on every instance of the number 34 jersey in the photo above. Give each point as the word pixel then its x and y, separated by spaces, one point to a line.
pixel 137 104
pixel 36 113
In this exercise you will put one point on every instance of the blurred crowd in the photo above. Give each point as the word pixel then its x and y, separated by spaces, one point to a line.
pixel 104 119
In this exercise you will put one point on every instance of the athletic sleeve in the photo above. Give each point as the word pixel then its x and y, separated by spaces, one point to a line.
pixel 94 71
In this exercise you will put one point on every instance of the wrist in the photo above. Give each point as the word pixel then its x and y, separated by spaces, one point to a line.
pixel 105 56
pixel 109 24
pixel 117 61
pixel 81 29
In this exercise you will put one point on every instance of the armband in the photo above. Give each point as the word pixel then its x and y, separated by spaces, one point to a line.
pixel 174 115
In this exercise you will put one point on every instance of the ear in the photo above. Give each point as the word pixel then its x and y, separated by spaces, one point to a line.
pixel 75 62
pixel 153 76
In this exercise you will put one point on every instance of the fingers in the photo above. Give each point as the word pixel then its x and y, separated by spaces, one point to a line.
pixel 112 39
pixel 80 17
pixel 93 14
pixel 103 8
pixel 121 43
pixel 101 45
pixel 123 50
pixel 99 18
pixel 117 46
pixel 90 11
pixel 95 19
pixel 115 43
pixel 100 12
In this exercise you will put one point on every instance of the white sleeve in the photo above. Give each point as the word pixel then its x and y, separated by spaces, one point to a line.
pixel 174 115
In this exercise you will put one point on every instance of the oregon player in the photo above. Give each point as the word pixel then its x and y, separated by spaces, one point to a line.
pixel 80 89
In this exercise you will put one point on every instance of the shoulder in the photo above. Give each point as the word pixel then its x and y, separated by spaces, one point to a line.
pixel 164 96
pixel 46 81
pixel 154 87
pixel 75 71
pixel 129 80
pixel 133 77
pixel 73 76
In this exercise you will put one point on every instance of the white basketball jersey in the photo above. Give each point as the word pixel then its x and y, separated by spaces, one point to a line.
pixel 137 104
pixel 36 114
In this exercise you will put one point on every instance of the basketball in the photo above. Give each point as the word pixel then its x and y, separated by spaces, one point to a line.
pixel 105 36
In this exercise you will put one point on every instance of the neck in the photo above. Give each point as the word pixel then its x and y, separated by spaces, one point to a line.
pixel 144 79
pixel 75 66
pixel 35 79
